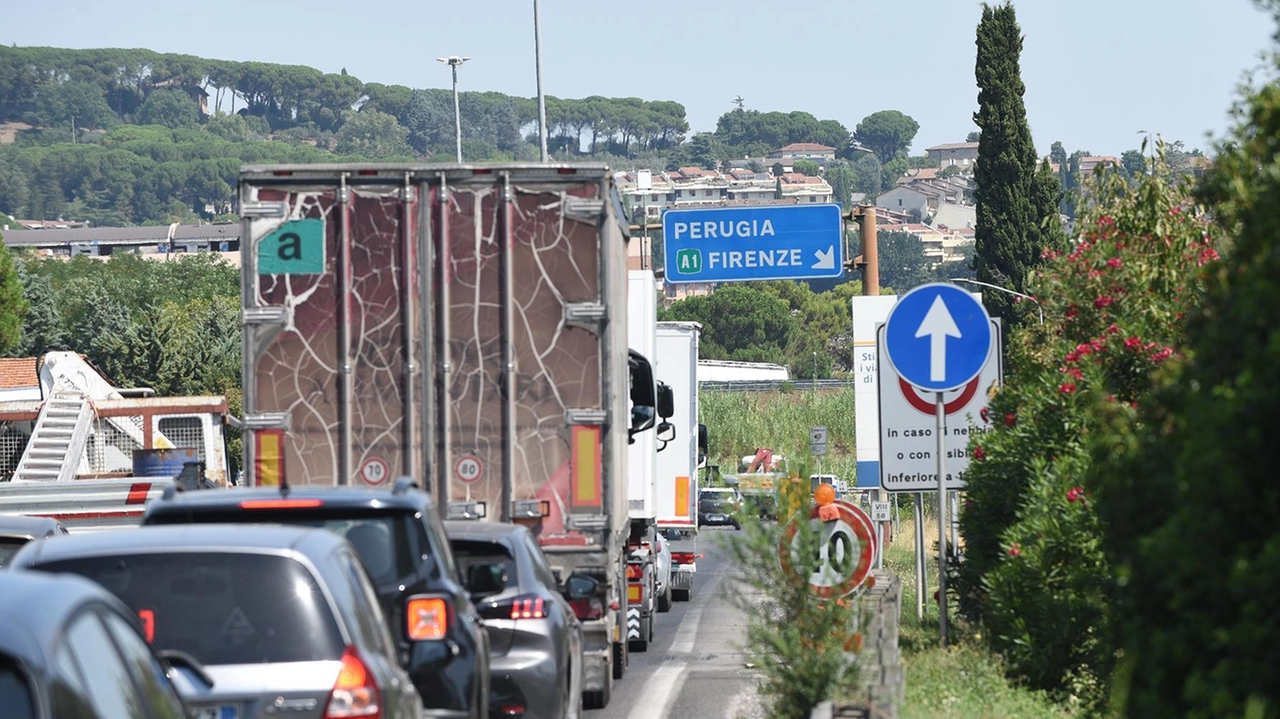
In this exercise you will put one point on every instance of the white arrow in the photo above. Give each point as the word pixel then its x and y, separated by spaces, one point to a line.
pixel 826 260
pixel 938 325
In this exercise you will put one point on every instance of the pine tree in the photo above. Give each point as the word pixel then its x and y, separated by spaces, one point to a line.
pixel 1012 201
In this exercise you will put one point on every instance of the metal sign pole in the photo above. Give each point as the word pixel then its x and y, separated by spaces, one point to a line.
pixel 921 584
pixel 942 520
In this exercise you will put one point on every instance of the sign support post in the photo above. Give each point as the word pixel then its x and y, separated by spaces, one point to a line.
pixel 921 584
pixel 942 519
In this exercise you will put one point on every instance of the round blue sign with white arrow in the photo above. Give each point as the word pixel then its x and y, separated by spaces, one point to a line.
pixel 938 337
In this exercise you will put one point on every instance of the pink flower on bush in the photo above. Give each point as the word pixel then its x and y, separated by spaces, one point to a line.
pixel 1075 373
pixel 1083 349
pixel 1010 419
pixel 984 413
pixel 1072 311
pixel 979 453
pixel 1102 301
pixel 1112 328
pixel 1071 357
pixel 1014 549
pixel 1133 343
pixel 1208 254
pixel 1114 262
pixel 1162 355
pixel 1067 387
pixel 1106 221
pixel 1074 493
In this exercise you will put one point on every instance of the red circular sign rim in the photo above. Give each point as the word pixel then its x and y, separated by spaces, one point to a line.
pixel 457 475
pixel 955 405
pixel 386 471
pixel 862 529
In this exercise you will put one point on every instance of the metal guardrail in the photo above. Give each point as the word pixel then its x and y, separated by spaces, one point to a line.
pixel 883 677
pixel 774 385
pixel 84 505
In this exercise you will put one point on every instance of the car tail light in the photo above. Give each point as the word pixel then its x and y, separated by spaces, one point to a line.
pixel 525 606
pixel 588 609
pixel 683 557
pixel 280 503
pixel 355 693
pixel 634 571
pixel 148 619
pixel 427 618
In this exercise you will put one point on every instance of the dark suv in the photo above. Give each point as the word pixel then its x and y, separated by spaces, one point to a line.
pixel 400 539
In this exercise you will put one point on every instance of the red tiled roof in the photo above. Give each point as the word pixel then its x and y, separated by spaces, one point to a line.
pixel 18 372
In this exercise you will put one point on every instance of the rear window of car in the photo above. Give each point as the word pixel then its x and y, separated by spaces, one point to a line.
pixel 468 553
pixel 15 691
pixel 390 543
pixel 221 608
pixel 9 546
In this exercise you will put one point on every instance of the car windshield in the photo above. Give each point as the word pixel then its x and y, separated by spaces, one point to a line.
pixel 221 608
pixel 9 546
pixel 715 499
pixel 469 553
pixel 386 541
pixel 15 693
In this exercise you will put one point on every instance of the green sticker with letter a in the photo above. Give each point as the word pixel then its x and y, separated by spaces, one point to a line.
pixel 295 248
pixel 688 262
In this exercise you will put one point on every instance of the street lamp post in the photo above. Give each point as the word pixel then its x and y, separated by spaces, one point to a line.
pixel 542 100
pixel 453 61
pixel 1001 289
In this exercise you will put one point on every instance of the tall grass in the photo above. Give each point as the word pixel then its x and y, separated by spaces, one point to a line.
pixel 738 423
pixel 964 680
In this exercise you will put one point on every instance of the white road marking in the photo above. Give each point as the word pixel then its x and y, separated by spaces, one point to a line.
pixel 664 686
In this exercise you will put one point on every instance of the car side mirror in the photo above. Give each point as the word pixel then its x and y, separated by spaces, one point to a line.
pixel 580 586
pixel 486 579
pixel 643 393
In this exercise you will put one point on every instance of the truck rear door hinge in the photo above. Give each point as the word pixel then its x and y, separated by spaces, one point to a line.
pixel 585 313
pixel 267 420
pixel 263 209
pixel 584 210
pixel 588 522
pixel 585 416
pixel 277 315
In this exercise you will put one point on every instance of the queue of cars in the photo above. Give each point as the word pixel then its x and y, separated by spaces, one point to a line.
pixel 309 602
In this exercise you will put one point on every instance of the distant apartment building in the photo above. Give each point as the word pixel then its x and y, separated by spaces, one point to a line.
pixel 1089 164
pixel 804 151
pixel 963 154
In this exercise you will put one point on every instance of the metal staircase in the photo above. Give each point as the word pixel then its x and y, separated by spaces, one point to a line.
pixel 58 439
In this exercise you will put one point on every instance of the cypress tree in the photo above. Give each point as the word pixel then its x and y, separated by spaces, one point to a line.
pixel 1013 202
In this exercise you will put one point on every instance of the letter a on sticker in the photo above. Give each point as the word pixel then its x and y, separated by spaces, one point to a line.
pixel 296 247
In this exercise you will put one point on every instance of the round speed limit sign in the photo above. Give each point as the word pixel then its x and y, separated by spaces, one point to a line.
pixel 468 468
pixel 844 551
pixel 374 471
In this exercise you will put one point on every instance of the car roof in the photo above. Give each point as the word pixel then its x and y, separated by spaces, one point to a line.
pixel 181 538
pixel 34 605
pixel 495 531
pixel 339 497
pixel 13 525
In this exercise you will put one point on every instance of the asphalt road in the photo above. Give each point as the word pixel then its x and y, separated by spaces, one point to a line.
pixel 695 666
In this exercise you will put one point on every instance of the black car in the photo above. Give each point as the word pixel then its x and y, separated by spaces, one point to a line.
pixel 534 633
pixel 443 643
pixel 719 506
pixel 275 620
pixel 16 531
pixel 70 649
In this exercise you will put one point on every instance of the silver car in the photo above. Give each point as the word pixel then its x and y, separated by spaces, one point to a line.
pixel 275 621
pixel 535 637
pixel 16 531
pixel 662 567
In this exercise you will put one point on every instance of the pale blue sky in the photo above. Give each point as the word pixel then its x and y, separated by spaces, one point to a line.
pixel 1097 71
